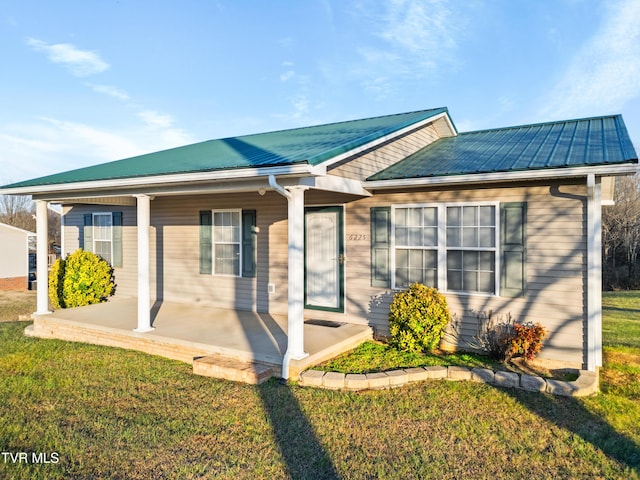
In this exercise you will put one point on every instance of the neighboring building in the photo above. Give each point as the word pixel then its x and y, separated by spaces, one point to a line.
pixel 327 221
pixel 14 257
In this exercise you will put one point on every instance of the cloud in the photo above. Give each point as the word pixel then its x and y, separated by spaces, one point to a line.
pixel 419 27
pixel 48 145
pixel 605 73
pixel 81 63
pixel 288 75
pixel 418 36
pixel 109 90
pixel 156 120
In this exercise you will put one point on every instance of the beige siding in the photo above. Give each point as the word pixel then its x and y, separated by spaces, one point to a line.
pixel 379 158
pixel 14 253
pixel 73 220
pixel 556 264
pixel 556 258
pixel 175 221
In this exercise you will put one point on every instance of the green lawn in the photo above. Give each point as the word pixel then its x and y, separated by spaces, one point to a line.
pixel 111 413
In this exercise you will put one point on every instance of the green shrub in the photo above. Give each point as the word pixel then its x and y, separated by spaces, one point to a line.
pixel 56 279
pixel 418 317
pixel 83 278
pixel 527 340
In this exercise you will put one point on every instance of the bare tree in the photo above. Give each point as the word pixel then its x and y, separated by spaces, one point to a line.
pixel 621 235
pixel 17 211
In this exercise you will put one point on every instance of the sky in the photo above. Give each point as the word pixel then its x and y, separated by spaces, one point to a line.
pixel 86 82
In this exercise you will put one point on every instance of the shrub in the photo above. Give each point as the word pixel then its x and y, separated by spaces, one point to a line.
pixel 56 279
pixel 527 340
pixel 495 336
pixel 418 317
pixel 83 278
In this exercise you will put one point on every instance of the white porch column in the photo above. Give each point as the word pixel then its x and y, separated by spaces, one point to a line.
pixel 295 327
pixel 144 300
pixel 42 258
pixel 594 272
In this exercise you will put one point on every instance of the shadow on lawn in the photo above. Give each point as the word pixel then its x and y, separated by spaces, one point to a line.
pixel 570 414
pixel 303 454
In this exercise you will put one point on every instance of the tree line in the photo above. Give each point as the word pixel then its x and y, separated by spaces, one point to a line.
pixel 19 211
pixel 621 237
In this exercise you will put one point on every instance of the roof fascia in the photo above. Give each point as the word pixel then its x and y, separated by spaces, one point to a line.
pixel 391 136
pixel 157 180
pixel 334 183
pixel 497 177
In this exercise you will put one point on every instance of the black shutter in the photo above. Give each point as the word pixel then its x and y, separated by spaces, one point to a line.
pixel 513 252
pixel 117 238
pixel 249 243
pixel 87 240
pixel 206 265
pixel 380 244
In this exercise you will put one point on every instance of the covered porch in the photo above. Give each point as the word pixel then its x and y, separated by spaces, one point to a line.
pixel 187 332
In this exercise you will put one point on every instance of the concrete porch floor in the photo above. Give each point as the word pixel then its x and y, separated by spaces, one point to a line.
pixel 186 331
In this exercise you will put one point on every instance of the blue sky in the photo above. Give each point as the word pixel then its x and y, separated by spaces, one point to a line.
pixel 87 82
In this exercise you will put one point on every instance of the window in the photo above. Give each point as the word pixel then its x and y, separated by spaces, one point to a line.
pixel 103 236
pixel 227 242
pixel 452 247
pixel 416 240
pixel 471 248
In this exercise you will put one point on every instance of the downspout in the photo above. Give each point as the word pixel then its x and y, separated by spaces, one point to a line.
pixel 594 269
pixel 278 188
pixel 287 355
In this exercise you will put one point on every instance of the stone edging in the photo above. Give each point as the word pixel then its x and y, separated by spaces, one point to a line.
pixel 585 385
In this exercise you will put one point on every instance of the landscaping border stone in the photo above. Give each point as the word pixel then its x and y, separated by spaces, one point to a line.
pixel 587 383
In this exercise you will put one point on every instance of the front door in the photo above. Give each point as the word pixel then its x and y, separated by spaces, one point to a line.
pixel 324 258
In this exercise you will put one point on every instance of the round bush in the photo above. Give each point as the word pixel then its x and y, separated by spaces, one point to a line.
pixel 83 278
pixel 418 317
pixel 56 279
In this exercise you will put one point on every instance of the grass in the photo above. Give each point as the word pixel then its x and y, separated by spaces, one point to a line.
pixel 14 303
pixel 112 413
pixel 375 356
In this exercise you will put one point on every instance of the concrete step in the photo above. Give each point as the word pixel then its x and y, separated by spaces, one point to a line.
pixel 217 366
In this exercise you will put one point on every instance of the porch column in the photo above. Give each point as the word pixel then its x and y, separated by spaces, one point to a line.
pixel 295 327
pixel 144 300
pixel 42 258
pixel 594 272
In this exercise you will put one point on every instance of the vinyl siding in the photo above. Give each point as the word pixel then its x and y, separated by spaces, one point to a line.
pixel 126 277
pixel 383 156
pixel 556 265
pixel 14 253
pixel 556 258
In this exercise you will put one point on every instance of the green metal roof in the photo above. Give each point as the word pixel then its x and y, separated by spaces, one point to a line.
pixel 309 145
pixel 571 143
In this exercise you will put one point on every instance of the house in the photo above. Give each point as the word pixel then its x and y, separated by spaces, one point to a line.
pixel 327 221
pixel 14 257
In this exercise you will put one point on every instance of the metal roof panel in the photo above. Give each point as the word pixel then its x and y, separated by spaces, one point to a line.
pixel 307 145
pixel 570 143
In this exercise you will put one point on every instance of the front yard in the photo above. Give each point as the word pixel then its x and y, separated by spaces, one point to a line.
pixel 83 411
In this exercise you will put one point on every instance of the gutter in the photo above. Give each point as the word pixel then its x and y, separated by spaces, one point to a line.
pixel 497 177
pixel 153 180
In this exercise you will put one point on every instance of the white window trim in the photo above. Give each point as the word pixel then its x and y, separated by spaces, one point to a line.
pixel 214 243
pixel 441 212
pixel 95 239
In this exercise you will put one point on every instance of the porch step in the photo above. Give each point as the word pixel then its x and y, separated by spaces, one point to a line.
pixel 227 368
